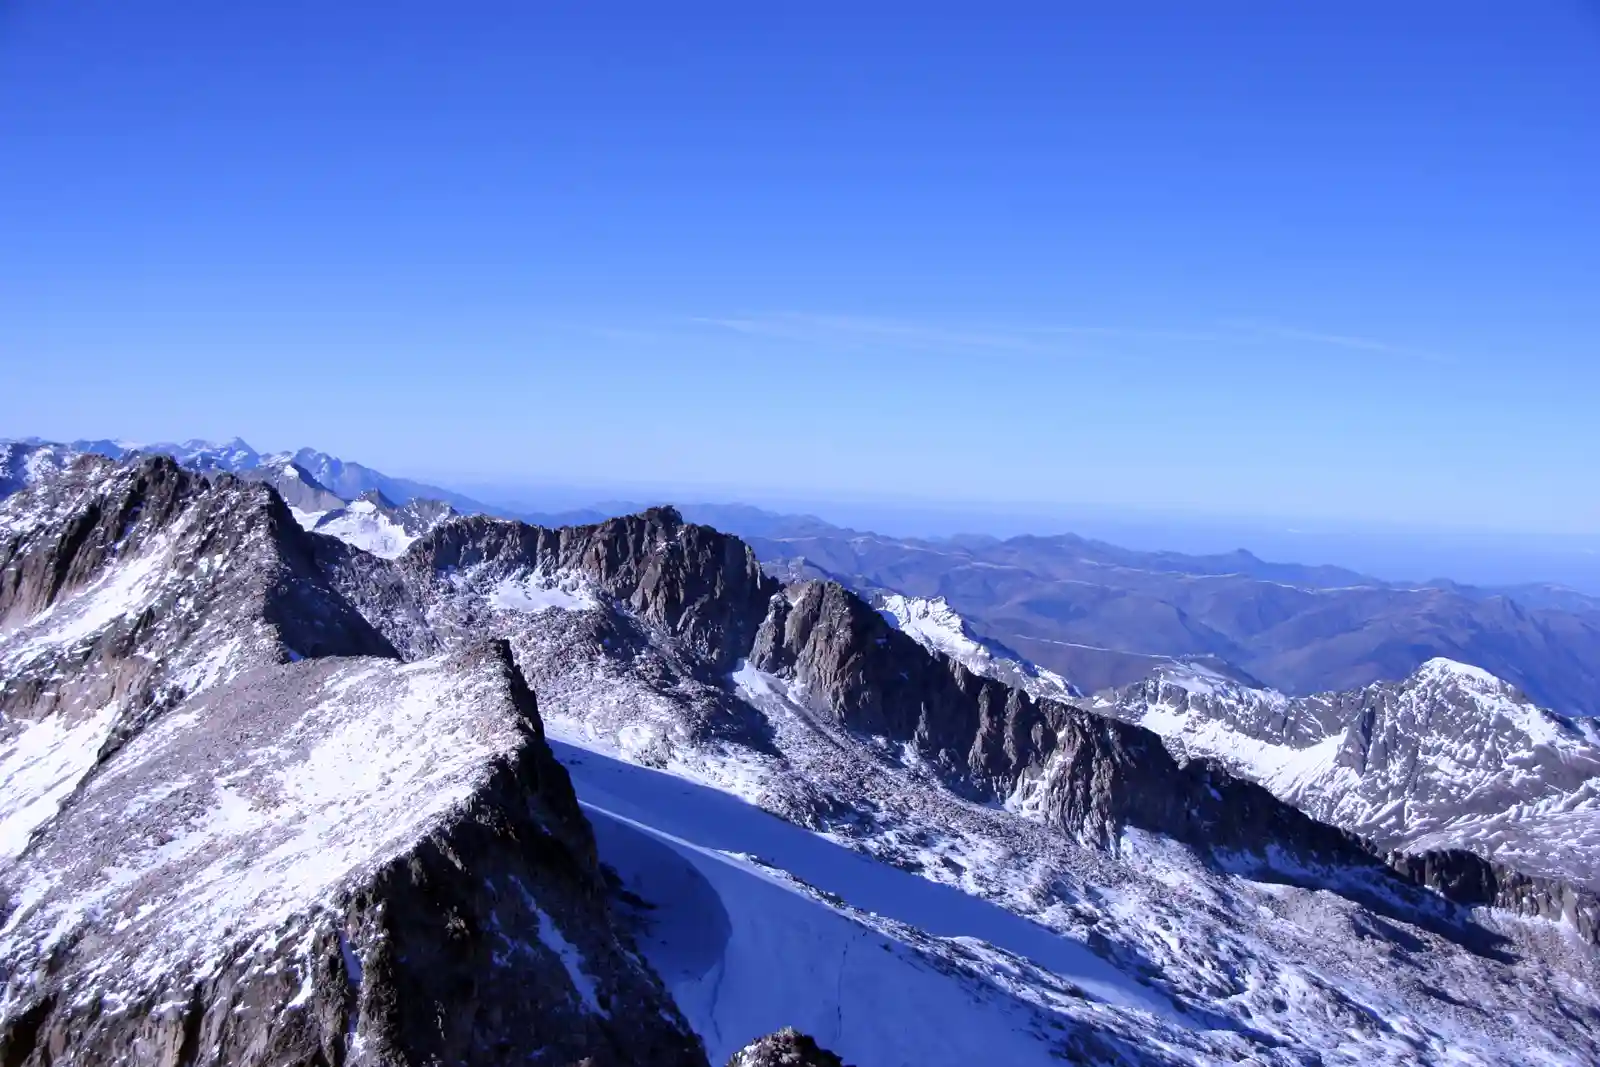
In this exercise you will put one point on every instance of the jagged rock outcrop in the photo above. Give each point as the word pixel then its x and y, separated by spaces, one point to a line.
pixel 878 680
pixel 786 1048
pixel 137 584
pixel 236 829
pixel 702 589
pixel 1448 762
pixel 1470 879
pixel 1394 761
pixel 347 861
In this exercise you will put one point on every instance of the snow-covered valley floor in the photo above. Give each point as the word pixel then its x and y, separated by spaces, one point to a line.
pixel 756 924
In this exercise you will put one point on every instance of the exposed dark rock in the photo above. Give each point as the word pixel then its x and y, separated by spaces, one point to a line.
pixel 1469 879
pixel 1092 776
pixel 786 1048
pixel 982 733
pixel 296 485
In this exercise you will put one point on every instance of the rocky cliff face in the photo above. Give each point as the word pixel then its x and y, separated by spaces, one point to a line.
pixel 1448 762
pixel 1470 879
pixel 1091 776
pixel 236 829
pixel 133 586
pixel 1393 761
pixel 296 486
pixel 702 589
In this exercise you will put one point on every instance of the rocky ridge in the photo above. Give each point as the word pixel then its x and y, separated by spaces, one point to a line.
pixel 239 830
pixel 1083 772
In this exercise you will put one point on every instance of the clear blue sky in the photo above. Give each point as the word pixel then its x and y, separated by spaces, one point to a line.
pixel 1292 259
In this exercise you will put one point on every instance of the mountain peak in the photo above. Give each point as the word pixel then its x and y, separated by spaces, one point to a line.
pixel 1441 668
pixel 665 514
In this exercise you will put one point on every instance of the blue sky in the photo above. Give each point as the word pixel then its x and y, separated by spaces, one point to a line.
pixel 1334 261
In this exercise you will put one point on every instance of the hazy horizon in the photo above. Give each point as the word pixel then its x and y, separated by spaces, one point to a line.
pixel 1396 552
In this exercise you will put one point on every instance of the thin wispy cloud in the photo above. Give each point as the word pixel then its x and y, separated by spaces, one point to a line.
pixel 866 329
pixel 1339 340
pixel 1039 339
pixel 859 329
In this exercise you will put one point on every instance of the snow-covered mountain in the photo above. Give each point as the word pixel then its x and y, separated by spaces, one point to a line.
pixel 376 524
pixel 367 518
pixel 23 463
pixel 935 625
pixel 1450 758
pixel 782 810
pixel 340 479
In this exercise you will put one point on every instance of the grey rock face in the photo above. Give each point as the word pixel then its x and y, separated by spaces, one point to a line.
pixel 786 1048
pixel 296 485
pixel 876 679
pixel 701 588
pixel 136 584
pixel 1095 777
pixel 238 860
pixel 283 872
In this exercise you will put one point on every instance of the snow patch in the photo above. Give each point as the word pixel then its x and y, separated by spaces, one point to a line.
pixel 361 525
pixel 307 519
pixel 536 593
pixel 571 959
pixel 40 766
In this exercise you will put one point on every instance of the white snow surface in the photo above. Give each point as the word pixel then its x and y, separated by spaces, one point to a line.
pixel 543 592
pixel 307 519
pixel 938 627
pixel 40 765
pixel 362 525
pixel 759 924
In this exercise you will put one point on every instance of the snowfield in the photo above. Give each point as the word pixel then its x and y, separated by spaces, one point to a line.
pixel 757 924
pixel 361 524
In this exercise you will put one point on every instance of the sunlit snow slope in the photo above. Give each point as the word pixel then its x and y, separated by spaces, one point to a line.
pixel 757 924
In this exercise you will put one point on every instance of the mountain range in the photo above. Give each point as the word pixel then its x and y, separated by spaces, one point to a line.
pixel 1103 616
pixel 618 793
pixel 1094 614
